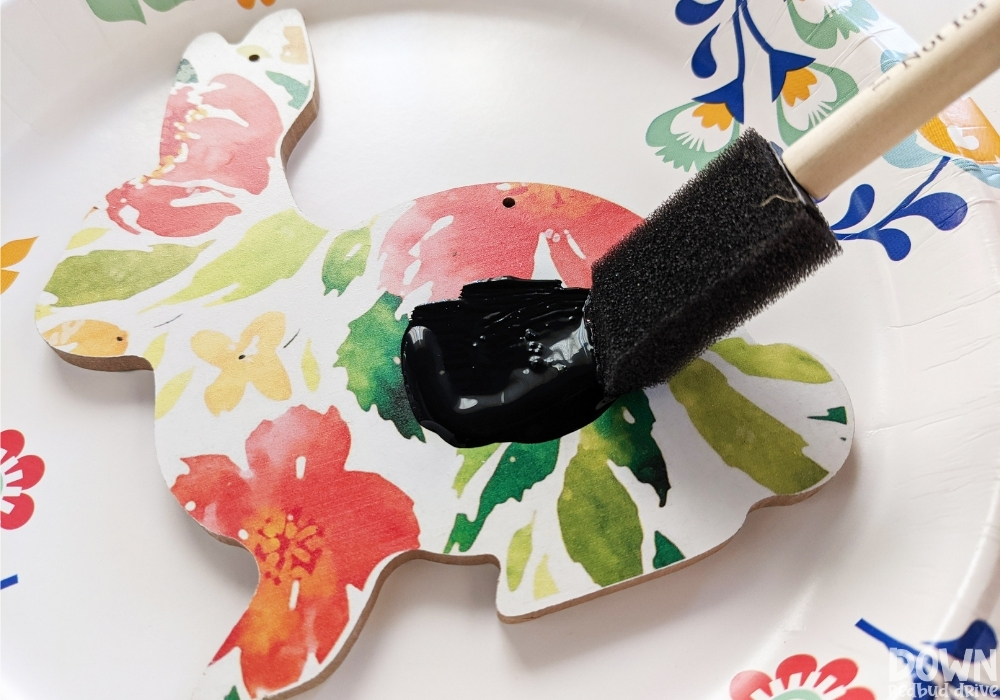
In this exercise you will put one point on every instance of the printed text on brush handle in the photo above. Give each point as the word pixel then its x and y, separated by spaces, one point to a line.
pixel 957 58
pixel 928 46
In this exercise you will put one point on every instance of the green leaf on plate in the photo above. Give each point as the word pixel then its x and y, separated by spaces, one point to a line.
pixel 521 467
pixel 845 88
pixel 845 20
pixel 473 458
pixel 624 434
pixel 163 5
pixel 233 694
pixel 370 354
pixel 272 249
pixel 117 10
pixel 743 435
pixel 667 552
pixel 346 259
pixel 103 275
pixel 599 521
pixel 518 554
pixel 776 361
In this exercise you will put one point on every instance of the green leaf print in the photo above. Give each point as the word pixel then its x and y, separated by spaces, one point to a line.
pixel 272 249
pixel 296 90
pixel 473 458
pixel 846 89
pixel 103 275
pixel 163 5
pixel 520 468
pixel 624 434
pixel 776 361
pixel 678 148
pixel 599 521
pixel 837 414
pixel 518 554
pixel 185 72
pixel 346 259
pixel 117 10
pixel 667 552
pixel 370 354
pixel 844 20
pixel 233 694
pixel 743 435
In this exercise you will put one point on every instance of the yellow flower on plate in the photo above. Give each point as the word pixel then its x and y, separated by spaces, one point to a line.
pixel 796 87
pixel 252 359
pixel 963 130
pixel 716 115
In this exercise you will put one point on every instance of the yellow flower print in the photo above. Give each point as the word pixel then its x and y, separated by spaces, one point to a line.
pixel 963 130
pixel 714 114
pixel 12 253
pixel 250 359
pixel 88 338
pixel 796 85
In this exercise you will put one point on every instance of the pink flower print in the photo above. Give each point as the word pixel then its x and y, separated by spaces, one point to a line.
pixel 200 144
pixel 200 141
pixel 470 233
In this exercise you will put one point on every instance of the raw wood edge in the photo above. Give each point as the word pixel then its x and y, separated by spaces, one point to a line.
pixel 122 363
pixel 478 559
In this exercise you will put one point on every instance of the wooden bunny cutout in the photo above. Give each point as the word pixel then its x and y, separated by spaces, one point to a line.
pixel 281 420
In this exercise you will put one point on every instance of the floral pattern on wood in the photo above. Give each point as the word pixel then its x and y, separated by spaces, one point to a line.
pixel 282 423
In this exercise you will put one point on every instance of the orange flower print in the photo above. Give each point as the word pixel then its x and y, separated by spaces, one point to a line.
pixel 11 253
pixel 250 360
pixel 313 528
pixel 248 4
pixel 963 130
pixel 796 87
pixel 713 114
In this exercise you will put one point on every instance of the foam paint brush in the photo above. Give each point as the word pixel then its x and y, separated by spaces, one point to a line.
pixel 529 360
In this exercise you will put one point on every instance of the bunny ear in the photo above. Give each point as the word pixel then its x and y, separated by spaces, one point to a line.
pixel 279 59
pixel 275 56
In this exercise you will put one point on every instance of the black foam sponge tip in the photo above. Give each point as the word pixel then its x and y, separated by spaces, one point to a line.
pixel 728 243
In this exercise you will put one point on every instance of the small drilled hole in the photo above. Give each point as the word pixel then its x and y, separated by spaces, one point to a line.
pixel 253 57
pixel 242 357
pixel 119 339
pixel 508 202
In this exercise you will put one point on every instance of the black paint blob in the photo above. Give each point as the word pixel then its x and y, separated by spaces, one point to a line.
pixel 510 360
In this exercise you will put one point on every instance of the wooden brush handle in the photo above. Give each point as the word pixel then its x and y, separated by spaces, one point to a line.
pixel 947 66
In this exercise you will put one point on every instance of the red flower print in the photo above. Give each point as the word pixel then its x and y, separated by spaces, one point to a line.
pixel 313 527
pixel 472 233
pixel 797 677
pixel 200 142
pixel 19 475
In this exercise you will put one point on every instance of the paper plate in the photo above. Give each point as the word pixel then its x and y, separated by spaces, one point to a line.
pixel 878 585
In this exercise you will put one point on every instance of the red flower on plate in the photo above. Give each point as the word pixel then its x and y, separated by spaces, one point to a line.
pixel 797 678
pixel 19 475
pixel 470 233
pixel 313 527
